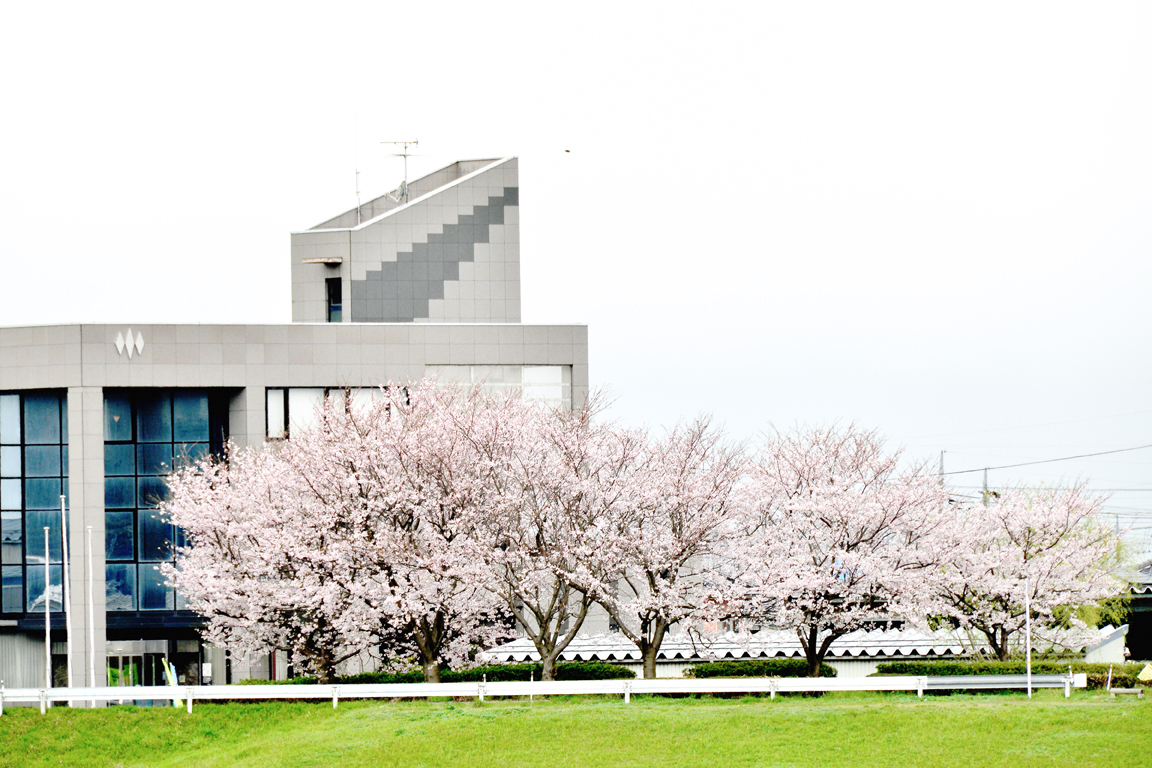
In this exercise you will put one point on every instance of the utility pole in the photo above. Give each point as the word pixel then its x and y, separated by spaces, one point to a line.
pixel 985 494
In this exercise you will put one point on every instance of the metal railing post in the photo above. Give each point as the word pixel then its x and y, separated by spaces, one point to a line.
pixel 189 697
pixel 335 694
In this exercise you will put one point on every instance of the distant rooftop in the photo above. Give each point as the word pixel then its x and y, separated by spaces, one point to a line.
pixel 416 188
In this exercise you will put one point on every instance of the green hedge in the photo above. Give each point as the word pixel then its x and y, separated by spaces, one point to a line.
pixel 757 668
pixel 1123 675
pixel 574 670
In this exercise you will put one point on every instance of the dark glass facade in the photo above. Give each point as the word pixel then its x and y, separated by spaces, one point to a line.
pixel 146 434
pixel 33 477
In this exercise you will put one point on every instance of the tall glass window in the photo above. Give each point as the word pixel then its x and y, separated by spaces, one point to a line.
pixel 335 305
pixel 548 384
pixel 33 477
pixel 148 433
pixel 297 409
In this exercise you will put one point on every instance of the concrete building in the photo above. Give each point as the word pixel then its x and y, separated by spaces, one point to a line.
pixel 393 291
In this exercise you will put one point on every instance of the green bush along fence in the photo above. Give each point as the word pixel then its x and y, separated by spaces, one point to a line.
pixel 1123 675
pixel 757 668
pixel 495 673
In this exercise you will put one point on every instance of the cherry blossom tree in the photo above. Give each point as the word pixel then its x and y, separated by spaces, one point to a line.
pixel 1048 542
pixel 352 535
pixel 837 535
pixel 665 536
pixel 425 464
pixel 545 550
pixel 263 565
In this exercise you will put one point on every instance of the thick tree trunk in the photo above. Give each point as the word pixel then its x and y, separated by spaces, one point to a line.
pixel 650 663
pixel 815 649
pixel 325 675
pixel 810 637
pixel 323 664
pixel 428 637
pixel 549 664
pixel 999 643
pixel 649 649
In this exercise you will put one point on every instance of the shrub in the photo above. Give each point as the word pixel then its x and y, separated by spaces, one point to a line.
pixel 1123 675
pixel 757 668
pixel 496 673
pixel 571 670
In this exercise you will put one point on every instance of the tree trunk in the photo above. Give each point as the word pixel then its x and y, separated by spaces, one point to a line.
pixel 650 663
pixel 549 664
pixel 324 666
pixel 650 649
pixel 811 645
pixel 1002 648
pixel 998 642
pixel 428 639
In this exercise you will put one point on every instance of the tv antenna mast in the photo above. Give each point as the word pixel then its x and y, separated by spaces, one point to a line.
pixel 356 165
pixel 401 194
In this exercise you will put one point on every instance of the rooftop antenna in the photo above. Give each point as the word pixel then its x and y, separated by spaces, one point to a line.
pixel 401 195
pixel 356 165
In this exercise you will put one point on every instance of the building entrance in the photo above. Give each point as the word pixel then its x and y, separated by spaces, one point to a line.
pixel 139 662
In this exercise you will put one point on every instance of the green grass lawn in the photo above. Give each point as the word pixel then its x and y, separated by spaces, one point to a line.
pixel 843 729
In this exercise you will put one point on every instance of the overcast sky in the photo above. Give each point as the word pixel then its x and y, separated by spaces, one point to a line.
pixel 923 217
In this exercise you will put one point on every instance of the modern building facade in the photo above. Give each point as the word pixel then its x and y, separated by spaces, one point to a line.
pixel 96 415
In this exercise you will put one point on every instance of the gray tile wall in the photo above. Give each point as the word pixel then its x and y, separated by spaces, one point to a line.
pixel 400 290
pixel 451 256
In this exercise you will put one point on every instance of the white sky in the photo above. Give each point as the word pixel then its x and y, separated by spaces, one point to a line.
pixel 928 218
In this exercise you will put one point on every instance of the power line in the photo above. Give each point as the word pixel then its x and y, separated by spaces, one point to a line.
pixel 1062 488
pixel 1049 461
pixel 1032 426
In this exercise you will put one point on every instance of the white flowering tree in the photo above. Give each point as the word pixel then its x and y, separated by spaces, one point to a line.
pixel 665 536
pixel 353 535
pixel 1048 543
pixel 265 566
pixel 564 476
pixel 838 536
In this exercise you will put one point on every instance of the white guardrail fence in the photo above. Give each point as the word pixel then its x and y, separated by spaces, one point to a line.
pixel 185 695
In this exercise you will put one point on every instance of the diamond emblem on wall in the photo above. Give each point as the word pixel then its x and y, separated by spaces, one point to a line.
pixel 131 344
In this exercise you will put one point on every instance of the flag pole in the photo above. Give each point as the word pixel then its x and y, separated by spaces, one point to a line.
pixel 67 592
pixel 47 616
pixel 91 621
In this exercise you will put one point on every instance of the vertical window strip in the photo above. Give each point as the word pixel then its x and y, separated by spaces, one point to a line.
pixel 33 477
